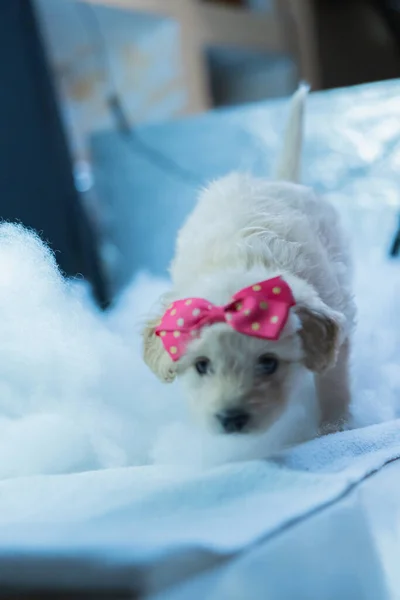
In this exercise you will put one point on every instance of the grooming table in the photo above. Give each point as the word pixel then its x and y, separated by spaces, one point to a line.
pixel 317 521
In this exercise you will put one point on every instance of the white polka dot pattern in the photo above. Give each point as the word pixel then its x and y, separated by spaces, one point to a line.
pixel 260 310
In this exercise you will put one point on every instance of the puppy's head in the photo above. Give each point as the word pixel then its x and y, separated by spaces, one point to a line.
pixel 238 383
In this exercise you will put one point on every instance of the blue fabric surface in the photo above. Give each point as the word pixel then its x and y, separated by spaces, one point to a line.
pixel 147 528
pixel 351 150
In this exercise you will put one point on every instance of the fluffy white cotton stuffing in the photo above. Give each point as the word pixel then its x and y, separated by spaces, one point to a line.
pixel 73 394
pixel 190 446
pixel 376 344
pixel 376 359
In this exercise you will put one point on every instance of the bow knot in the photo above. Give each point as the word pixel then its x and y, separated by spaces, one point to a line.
pixel 260 310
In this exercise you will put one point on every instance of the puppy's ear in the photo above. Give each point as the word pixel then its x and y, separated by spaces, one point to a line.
pixel 154 354
pixel 321 333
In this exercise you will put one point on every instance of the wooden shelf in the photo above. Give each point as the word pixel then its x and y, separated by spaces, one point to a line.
pixel 223 25
pixel 288 29
pixel 216 24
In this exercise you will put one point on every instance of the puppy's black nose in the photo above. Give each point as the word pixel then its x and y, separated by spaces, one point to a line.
pixel 233 420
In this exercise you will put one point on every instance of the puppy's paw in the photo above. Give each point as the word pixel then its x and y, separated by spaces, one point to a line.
pixel 336 427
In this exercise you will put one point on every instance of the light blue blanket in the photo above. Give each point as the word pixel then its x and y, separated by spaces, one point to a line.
pixel 149 528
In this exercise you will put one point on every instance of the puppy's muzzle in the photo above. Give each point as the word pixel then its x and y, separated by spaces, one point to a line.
pixel 233 420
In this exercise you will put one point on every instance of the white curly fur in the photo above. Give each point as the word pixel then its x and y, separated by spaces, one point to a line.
pixel 244 230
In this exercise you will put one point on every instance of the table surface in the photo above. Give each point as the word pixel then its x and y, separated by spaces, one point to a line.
pixel 148 182
pixel 361 533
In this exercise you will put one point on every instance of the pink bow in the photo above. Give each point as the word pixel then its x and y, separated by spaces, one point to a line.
pixel 260 310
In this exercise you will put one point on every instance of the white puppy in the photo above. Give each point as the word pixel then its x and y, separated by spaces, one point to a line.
pixel 244 231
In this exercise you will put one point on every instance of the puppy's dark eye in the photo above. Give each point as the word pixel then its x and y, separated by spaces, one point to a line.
pixel 202 366
pixel 267 364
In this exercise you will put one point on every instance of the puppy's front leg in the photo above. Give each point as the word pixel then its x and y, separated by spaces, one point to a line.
pixel 333 392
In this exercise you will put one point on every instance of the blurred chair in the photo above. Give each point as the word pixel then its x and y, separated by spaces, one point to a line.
pixel 36 177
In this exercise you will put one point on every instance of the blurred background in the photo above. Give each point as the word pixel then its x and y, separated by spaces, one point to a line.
pixel 89 86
